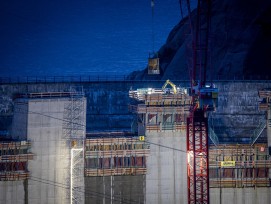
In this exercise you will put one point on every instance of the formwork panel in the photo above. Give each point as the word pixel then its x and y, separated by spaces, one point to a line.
pixel 247 166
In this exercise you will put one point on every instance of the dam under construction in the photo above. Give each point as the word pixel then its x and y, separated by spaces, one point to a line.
pixel 124 141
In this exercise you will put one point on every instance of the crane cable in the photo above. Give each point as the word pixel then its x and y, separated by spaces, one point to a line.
pixel 152 6
pixel 181 8
pixel 191 71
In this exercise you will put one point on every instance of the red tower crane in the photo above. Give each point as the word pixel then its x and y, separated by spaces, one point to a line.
pixel 204 99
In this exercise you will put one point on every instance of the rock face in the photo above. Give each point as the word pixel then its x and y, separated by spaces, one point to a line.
pixel 240 43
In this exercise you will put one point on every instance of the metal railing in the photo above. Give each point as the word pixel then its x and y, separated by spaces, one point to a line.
pixel 111 77
pixel 64 79
pixel 258 131
pixel 213 136
pixel 167 126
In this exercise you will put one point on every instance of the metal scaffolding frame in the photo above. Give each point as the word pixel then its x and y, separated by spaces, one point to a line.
pixel 74 133
pixel 77 175
pixel 239 166
pixel 197 161
pixel 115 156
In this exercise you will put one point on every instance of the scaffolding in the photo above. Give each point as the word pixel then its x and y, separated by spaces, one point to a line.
pixel 14 157
pixel 239 166
pixel 161 115
pixel 74 134
pixel 115 156
pixel 160 110
pixel 197 161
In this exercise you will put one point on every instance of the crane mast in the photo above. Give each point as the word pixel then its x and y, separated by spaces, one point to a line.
pixel 204 99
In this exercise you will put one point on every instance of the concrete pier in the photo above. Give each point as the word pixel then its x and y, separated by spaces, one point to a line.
pixel 43 122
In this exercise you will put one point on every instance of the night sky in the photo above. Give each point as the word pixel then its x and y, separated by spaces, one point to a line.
pixel 75 37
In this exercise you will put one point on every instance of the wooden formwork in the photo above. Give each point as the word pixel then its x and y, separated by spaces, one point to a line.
pixel 142 108
pixel 14 145
pixel 263 106
pixel 14 156
pixel 117 153
pixel 13 176
pixel 265 95
pixel 115 156
pixel 153 127
pixel 239 183
pixel 113 142
pixel 246 165
pixel 159 128
pixel 168 99
pixel 116 171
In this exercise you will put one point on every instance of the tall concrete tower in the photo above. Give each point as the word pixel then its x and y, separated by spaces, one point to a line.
pixel 55 124
pixel 162 115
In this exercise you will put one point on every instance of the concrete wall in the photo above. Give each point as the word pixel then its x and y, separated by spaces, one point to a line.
pixel 240 195
pixel 50 169
pixel 237 114
pixel 19 126
pixel 166 179
pixel 237 110
pixel 13 192
pixel 16 191
pixel 106 101
pixel 115 189
pixel 51 164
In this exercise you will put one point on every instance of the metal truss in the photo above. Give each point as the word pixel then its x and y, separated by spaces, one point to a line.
pixel 74 133
pixel 197 159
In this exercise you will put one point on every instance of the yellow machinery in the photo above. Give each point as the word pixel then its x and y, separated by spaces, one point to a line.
pixel 171 84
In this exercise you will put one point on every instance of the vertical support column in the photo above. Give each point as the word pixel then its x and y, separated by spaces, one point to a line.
pixel 190 160
pixel 74 129
pixel 268 128
pixel 265 105
pixel 268 125
pixel 197 161
pixel 77 176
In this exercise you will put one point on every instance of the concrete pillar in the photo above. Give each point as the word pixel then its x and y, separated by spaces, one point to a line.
pixel 268 125
pixel 268 128
pixel 166 180
pixel 42 122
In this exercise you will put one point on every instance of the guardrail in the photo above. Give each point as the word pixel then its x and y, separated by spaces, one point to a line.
pixel 63 79
pixel 213 136
pixel 258 131
pixel 111 77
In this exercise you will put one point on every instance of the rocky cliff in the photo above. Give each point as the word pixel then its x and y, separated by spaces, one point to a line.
pixel 240 43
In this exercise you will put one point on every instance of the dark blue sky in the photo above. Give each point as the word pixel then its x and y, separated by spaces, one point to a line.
pixel 73 37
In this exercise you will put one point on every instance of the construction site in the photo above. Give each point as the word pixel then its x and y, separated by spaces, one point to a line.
pixel 52 153
pixel 147 141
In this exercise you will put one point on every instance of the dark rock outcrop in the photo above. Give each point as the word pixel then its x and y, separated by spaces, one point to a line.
pixel 240 43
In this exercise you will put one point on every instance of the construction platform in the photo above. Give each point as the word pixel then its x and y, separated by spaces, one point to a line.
pixel 265 96
pixel 109 154
pixel 161 109
pixel 239 166
pixel 14 157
